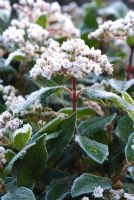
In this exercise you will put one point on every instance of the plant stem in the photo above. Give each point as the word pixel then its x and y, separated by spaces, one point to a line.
pixel 129 68
pixel 74 95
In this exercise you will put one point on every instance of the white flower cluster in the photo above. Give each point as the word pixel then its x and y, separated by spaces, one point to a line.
pixel 116 194
pixel 2 157
pixel 27 38
pixel 7 121
pixel 12 101
pixel 13 35
pixel 98 192
pixel 120 28
pixel 129 196
pixel 59 24
pixel 74 58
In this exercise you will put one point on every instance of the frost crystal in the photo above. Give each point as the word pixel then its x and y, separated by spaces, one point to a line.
pixel 98 192
pixel 24 129
pixel 74 58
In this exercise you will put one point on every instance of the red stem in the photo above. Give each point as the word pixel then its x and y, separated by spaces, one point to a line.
pixel 74 95
pixel 129 68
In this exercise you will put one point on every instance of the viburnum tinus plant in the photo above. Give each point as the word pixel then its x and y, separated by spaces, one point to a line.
pixel 66 127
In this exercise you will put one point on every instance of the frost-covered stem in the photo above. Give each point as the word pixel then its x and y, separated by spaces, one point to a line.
pixel 129 69
pixel 74 94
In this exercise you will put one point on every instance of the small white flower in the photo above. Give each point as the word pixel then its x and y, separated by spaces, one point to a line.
pixel 37 33
pixel 129 196
pixel 85 198
pixel 2 149
pixel 132 147
pixel 98 192
pixel 2 157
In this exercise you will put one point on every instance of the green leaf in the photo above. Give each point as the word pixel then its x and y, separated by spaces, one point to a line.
pixel 42 21
pixel 22 136
pixel 57 146
pixel 52 135
pixel 90 16
pixel 127 98
pixel 130 41
pixel 51 174
pixel 34 162
pixel 59 189
pixel 93 149
pixel 5 68
pixel 117 100
pixel 52 125
pixel 81 112
pixel 124 128
pixel 129 152
pixel 48 128
pixel 10 182
pixel 99 3
pixel 129 187
pixel 16 55
pixel 121 86
pixel 43 92
pixel 114 59
pixel 9 154
pixel 19 155
pixel 90 126
pixel 86 183
pixel 19 193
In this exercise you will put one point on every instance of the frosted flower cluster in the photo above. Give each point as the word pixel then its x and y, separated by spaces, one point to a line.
pixel 120 28
pixel 27 38
pixel 12 101
pixel 116 194
pixel 59 24
pixel 7 121
pixel 2 157
pixel 74 59
pixel 129 196
pixel 98 192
